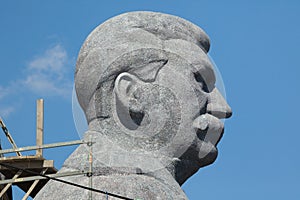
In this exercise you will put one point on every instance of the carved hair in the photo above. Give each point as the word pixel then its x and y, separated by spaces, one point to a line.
pixel 131 42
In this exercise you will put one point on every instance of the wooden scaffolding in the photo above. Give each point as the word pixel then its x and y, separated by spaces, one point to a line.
pixel 26 171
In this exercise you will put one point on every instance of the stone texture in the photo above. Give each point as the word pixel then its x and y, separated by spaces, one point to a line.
pixel 147 88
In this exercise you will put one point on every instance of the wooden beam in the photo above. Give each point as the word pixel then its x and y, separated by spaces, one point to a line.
pixel 39 125
pixel 9 137
pixel 35 182
pixel 9 184
pixel 26 163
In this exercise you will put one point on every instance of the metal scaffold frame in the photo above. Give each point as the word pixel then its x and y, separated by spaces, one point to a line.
pixel 16 169
pixel 31 173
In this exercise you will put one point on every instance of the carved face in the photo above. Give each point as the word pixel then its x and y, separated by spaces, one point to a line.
pixel 179 112
pixel 201 108
pixel 147 86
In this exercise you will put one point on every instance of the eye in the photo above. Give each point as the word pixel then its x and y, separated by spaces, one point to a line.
pixel 201 81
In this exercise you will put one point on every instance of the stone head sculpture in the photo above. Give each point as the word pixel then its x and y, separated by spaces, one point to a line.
pixel 147 88
pixel 144 81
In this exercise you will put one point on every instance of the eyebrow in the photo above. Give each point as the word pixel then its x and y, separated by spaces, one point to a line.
pixel 195 56
pixel 205 69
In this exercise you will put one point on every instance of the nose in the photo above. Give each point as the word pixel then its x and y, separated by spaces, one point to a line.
pixel 217 105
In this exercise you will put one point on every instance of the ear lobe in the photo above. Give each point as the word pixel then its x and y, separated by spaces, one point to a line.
pixel 124 85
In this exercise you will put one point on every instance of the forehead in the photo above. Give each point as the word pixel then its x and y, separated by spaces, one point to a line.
pixel 198 60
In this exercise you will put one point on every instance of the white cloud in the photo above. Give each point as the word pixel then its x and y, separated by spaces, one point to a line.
pixel 53 60
pixel 5 108
pixel 49 74
pixel 4 91
pixel 6 111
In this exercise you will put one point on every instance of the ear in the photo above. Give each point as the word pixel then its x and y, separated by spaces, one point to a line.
pixel 124 86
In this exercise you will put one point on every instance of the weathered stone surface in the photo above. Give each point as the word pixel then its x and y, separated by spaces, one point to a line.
pixel 147 88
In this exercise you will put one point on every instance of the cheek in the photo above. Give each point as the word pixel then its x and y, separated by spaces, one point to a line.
pixel 181 85
pixel 202 100
pixel 159 107
pixel 189 107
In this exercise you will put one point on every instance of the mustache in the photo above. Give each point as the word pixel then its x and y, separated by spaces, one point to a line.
pixel 209 128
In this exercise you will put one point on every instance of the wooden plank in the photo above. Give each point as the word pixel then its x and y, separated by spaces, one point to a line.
pixel 9 184
pixel 33 186
pixel 39 125
pixel 34 164
pixel 20 158
pixel 30 189
pixel 9 137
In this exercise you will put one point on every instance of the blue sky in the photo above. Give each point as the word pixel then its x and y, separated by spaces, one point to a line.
pixel 254 43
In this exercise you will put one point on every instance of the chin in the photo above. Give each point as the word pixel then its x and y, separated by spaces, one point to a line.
pixel 193 159
pixel 207 157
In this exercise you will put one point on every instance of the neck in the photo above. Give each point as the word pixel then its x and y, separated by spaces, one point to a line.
pixel 113 162
pixel 110 157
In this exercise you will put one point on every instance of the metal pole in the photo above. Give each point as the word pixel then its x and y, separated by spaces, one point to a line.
pixel 90 174
pixel 44 146
pixel 32 178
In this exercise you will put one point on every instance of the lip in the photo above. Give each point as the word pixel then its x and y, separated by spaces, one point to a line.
pixel 209 128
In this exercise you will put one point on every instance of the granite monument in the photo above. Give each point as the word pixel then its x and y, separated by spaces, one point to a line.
pixel 147 88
